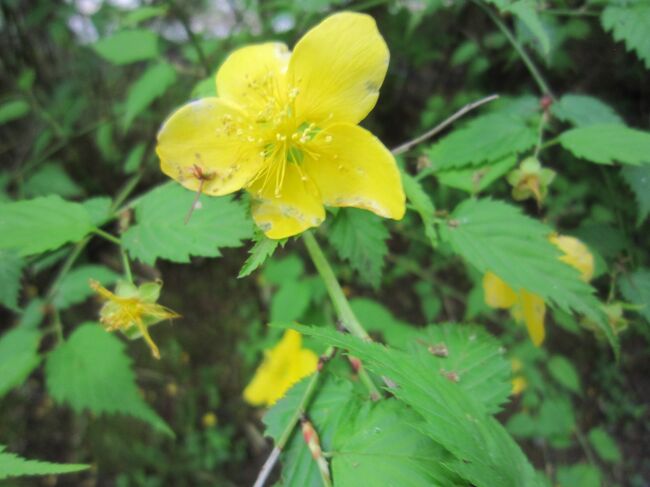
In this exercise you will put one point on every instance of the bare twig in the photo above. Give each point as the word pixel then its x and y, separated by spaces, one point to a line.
pixel 267 468
pixel 443 125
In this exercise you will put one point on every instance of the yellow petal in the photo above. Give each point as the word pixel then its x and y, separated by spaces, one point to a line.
pixel 576 254
pixel 202 143
pixel 518 385
pixel 338 68
pixel 288 208
pixel 253 77
pixel 351 167
pixel 533 311
pixel 497 293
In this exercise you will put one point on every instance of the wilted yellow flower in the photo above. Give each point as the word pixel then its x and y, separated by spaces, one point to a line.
pixel 132 310
pixel 284 127
pixel 283 366
pixel 526 306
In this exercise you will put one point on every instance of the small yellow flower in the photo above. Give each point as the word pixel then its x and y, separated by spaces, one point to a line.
pixel 209 420
pixel 132 310
pixel 284 128
pixel 519 382
pixel 283 366
pixel 526 306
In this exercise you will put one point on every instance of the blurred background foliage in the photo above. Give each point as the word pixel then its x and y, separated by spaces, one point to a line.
pixel 85 86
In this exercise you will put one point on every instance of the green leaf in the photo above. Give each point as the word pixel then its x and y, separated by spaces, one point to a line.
pixel 382 445
pixel 484 454
pixel 14 466
pixel 290 302
pixel 46 223
pixel 141 14
pixel 630 23
pixel 487 138
pixel 51 179
pixel 152 84
pixel 360 238
pixel 289 268
pixel 12 110
pixel 377 319
pixel 90 371
pixel 99 209
pixel 583 111
pixel 564 373
pixel 335 399
pixel 74 287
pixel 11 269
pixel 495 237
pixel 259 253
pixel 476 179
pixel 422 204
pixel 161 231
pixel 128 46
pixel 605 445
pixel 638 179
pixel 18 357
pixel 608 143
pixel 470 355
pixel 134 159
pixel 525 11
pixel 636 289
pixel 578 475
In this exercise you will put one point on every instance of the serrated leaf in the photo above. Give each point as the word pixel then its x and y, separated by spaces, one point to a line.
pixel 18 357
pixel 525 11
pixel 422 204
pixel 99 209
pixel 564 373
pixel 161 232
pixel 476 179
pixel 377 319
pixel 495 237
pixel 34 226
pixel 90 371
pixel 583 111
pixel 360 238
pixel 12 465
pixel 608 143
pixel 51 179
pixel 11 270
pixel 259 253
pixel 334 400
pixel 483 453
pixel 630 23
pixel 128 46
pixel 74 287
pixel 638 179
pixel 152 84
pixel 12 110
pixel 382 445
pixel 636 289
pixel 487 138
pixel 474 357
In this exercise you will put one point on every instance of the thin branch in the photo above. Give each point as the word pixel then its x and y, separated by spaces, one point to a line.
pixel 443 125
pixel 267 468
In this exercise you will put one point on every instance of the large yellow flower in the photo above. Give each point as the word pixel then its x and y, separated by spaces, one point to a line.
pixel 283 366
pixel 526 306
pixel 284 127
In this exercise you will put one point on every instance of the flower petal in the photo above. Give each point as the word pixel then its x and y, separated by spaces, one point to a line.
pixel 205 142
pixel 351 167
pixel 294 208
pixel 338 68
pixel 576 254
pixel 253 77
pixel 533 311
pixel 497 293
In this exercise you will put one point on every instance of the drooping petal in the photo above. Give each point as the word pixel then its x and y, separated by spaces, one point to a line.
pixel 338 68
pixel 576 254
pixel 253 77
pixel 497 293
pixel 533 311
pixel 351 167
pixel 284 202
pixel 209 144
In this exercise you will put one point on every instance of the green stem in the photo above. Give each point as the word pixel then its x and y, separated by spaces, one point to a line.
pixel 543 86
pixel 107 236
pixel 127 265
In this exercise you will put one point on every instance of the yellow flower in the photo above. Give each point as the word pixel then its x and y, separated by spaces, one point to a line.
pixel 132 310
pixel 526 306
pixel 283 366
pixel 284 127
pixel 519 382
